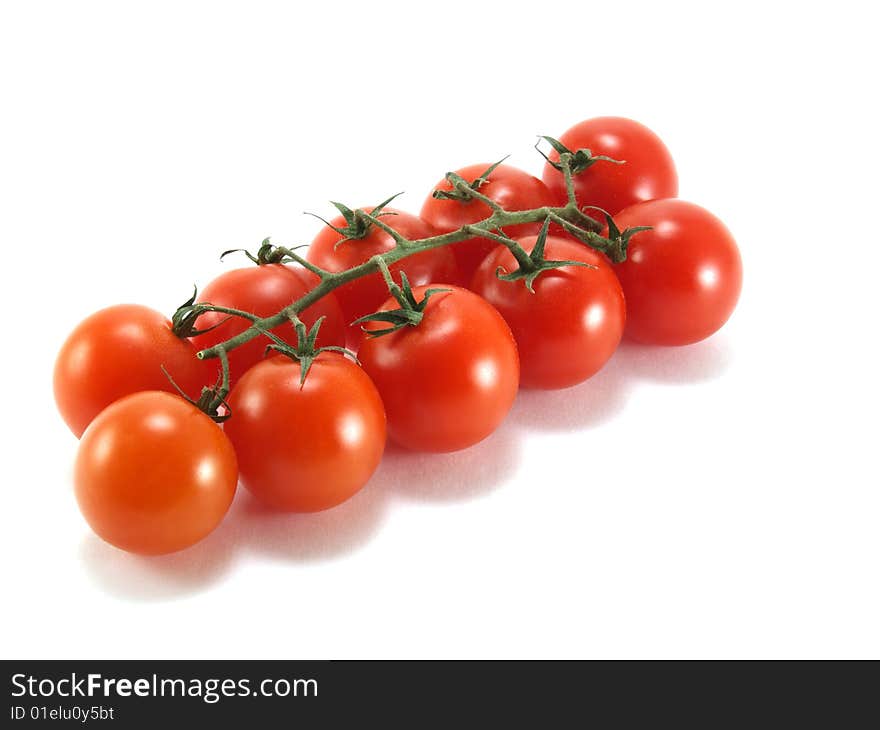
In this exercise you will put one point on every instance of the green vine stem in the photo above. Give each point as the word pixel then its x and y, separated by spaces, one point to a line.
pixel 569 217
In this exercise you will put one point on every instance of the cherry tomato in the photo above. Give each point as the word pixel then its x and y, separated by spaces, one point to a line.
pixel 683 278
pixel 448 382
pixel 571 325
pixel 363 296
pixel 264 290
pixel 118 351
pixel 510 187
pixel 304 448
pixel 648 171
pixel 154 474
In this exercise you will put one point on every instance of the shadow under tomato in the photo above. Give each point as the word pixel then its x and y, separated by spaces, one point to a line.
pixel 163 577
pixel 337 532
pixel 250 528
pixel 309 537
pixel 700 362
pixel 602 397
pixel 586 405
pixel 457 476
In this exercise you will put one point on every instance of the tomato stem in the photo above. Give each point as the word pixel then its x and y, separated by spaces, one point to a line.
pixel 393 289
pixel 569 217
pixel 569 178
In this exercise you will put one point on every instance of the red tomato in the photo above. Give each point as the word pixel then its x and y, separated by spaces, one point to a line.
pixel 304 449
pixel 683 278
pixel 264 290
pixel 571 325
pixel 119 351
pixel 510 187
pixel 448 382
pixel 363 296
pixel 648 171
pixel 154 474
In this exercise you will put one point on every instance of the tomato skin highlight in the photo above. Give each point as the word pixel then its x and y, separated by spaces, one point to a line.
pixel 573 322
pixel 311 448
pixel 648 173
pixel 682 279
pixel 363 296
pixel 510 187
pixel 450 381
pixel 153 474
pixel 118 351
pixel 264 290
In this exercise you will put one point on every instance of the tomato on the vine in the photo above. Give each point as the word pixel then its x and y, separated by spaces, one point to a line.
pixel 448 382
pixel 264 290
pixel 304 447
pixel 681 279
pixel 154 474
pixel 118 351
pixel 647 172
pixel 570 325
pixel 364 295
pixel 510 187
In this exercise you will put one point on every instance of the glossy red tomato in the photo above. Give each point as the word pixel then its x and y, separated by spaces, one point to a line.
pixel 119 351
pixel 512 188
pixel 683 278
pixel 154 474
pixel 448 382
pixel 264 290
pixel 571 325
pixel 648 172
pixel 304 449
pixel 363 296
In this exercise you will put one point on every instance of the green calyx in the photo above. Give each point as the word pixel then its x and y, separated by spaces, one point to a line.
pixel 462 190
pixel 305 350
pixel 531 267
pixel 212 398
pixel 618 240
pixel 183 321
pixel 356 226
pixel 410 312
pixel 267 253
pixel 580 160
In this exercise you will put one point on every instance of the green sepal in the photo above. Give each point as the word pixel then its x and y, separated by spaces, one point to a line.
pixel 267 253
pixel 356 227
pixel 409 314
pixel 305 351
pixel 463 195
pixel 209 400
pixel 530 276
pixel 580 159
pixel 620 239
pixel 538 263
pixel 183 321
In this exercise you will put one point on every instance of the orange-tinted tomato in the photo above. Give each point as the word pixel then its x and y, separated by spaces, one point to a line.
pixel 154 474
pixel 119 351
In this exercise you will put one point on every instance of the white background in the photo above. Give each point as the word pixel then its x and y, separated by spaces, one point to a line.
pixel 719 500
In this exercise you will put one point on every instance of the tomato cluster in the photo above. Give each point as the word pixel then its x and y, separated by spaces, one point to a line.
pixel 445 335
